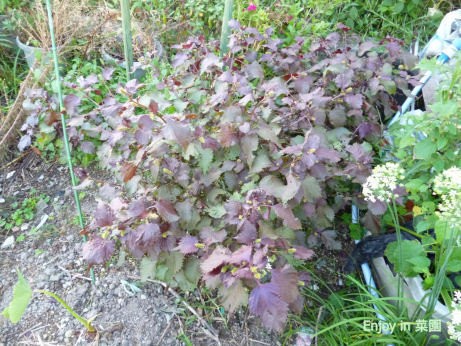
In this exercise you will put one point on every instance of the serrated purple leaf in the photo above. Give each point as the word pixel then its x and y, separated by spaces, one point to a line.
pixel 98 250
pixel 209 61
pixel 137 209
pixel 344 80
pixel 87 147
pixel 328 155
pixel 330 241
pixel 365 47
pixel 210 236
pixel 187 245
pixel 107 73
pixel 107 192
pixel 216 259
pixel 142 137
pixel 377 208
pixel 174 130
pixel 266 303
pixel 104 215
pixel 179 59
pixel 354 100
pixel 286 214
pixel 247 233
pixel 132 86
pixel 145 122
pixel 24 142
pixel 167 211
pixel 71 103
pixel 302 252
pixel 286 280
pixel 243 254
pixel 276 87
pixel 145 240
pixel 88 81
pixel 234 25
pixel 366 129
pixel 254 70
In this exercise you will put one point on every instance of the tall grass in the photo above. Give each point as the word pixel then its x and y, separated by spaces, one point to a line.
pixel 344 317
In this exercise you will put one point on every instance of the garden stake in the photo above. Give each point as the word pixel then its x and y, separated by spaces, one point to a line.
pixel 225 32
pixel 63 124
pixel 127 44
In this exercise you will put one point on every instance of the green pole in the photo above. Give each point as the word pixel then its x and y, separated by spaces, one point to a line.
pixel 225 31
pixel 127 44
pixel 63 123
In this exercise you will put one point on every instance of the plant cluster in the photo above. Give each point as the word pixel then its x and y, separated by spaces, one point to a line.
pixel 406 19
pixel 225 165
pixel 23 212
pixel 426 144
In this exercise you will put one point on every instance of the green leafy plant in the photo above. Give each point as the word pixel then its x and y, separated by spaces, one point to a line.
pixel 23 212
pixel 426 144
pixel 406 19
pixel 22 295
pixel 225 163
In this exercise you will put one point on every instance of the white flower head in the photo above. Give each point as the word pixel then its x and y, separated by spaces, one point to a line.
pixel 381 184
pixel 457 297
pixel 454 326
pixel 448 186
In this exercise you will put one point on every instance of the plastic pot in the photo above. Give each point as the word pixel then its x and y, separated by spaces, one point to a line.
pixel 413 289
pixel 34 54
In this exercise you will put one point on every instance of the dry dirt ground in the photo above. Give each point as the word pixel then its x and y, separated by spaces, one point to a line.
pixel 126 312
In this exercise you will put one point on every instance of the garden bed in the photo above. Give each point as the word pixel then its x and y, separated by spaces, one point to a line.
pixel 51 259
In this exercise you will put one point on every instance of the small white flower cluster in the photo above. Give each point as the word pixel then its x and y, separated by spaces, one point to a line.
pixel 383 181
pixel 454 327
pixel 448 186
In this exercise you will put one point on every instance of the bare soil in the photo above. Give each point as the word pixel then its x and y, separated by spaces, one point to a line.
pixel 126 311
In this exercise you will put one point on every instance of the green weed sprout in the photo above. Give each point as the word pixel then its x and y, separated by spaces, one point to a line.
pixel 22 295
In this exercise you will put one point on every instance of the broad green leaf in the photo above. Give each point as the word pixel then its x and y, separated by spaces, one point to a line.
pixel 428 207
pixel 162 273
pixel 389 86
pixel 249 144
pixel 285 233
pixel 216 211
pixel 168 265
pixel 266 230
pixel 22 295
pixel 414 184
pixel 192 270
pixel 268 132
pixel 206 157
pixel 191 151
pixel 278 189
pixel 441 230
pixel 424 149
pixel 414 258
pixel 454 266
pixel 423 226
pixel 312 189
pixel 233 296
pixel 442 142
pixel 261 162
pixel 147 268
pixel 188 278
